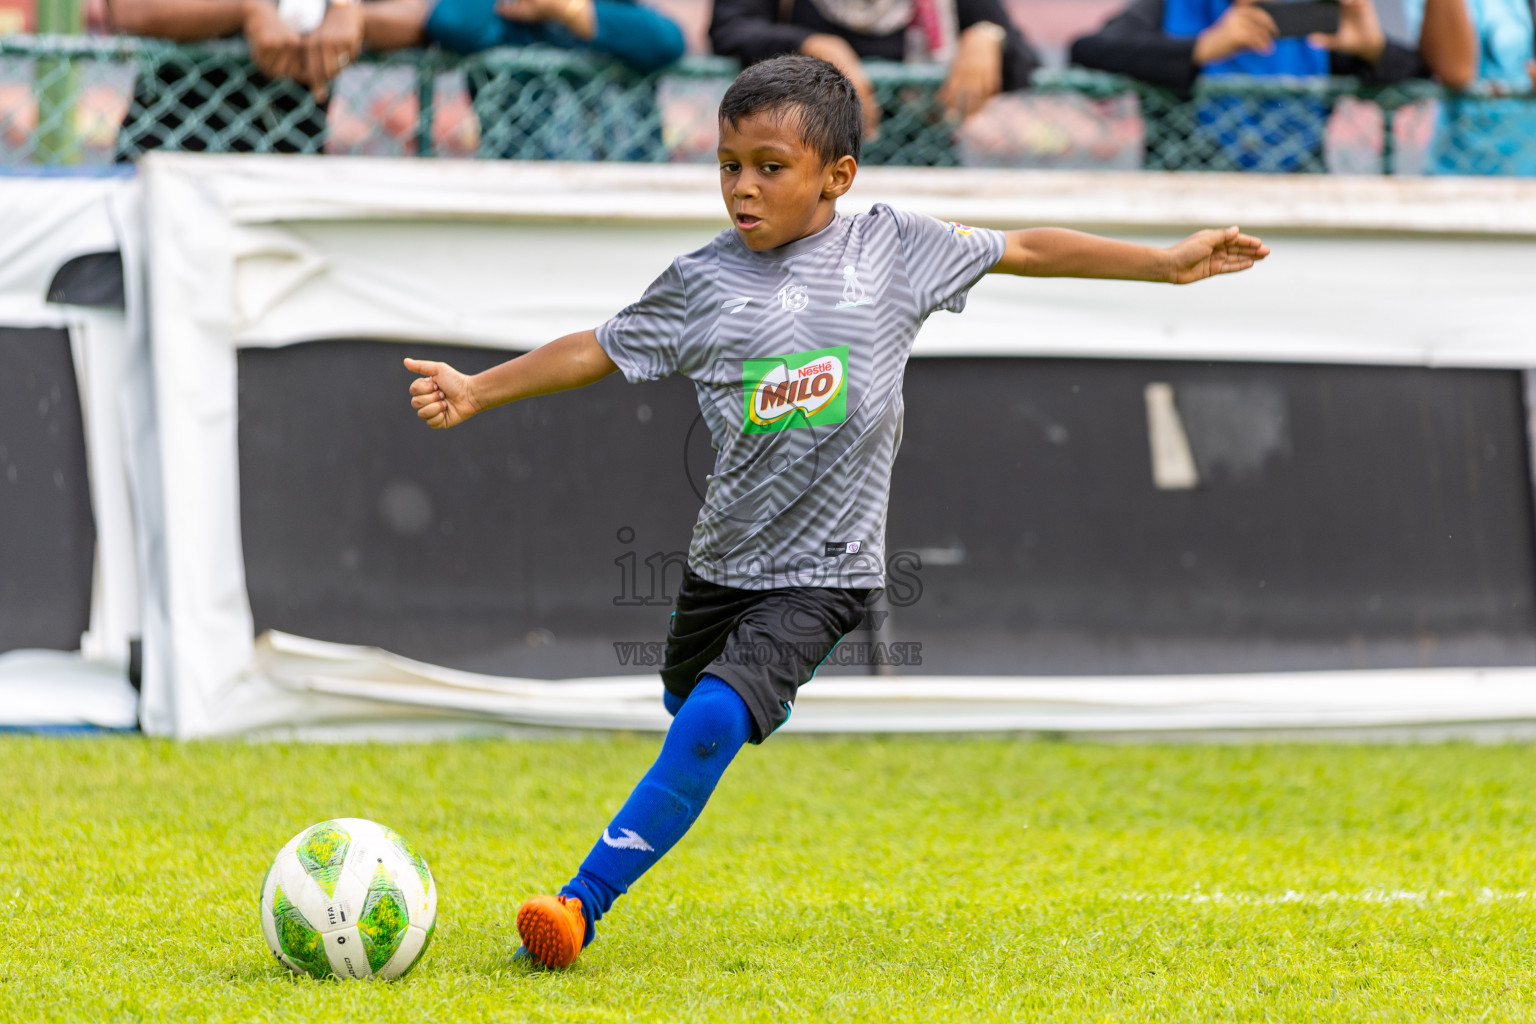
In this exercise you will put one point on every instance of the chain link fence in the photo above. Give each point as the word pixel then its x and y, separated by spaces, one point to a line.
pixel 93 100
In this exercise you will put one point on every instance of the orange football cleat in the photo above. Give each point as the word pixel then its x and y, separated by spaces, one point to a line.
pixel 552 929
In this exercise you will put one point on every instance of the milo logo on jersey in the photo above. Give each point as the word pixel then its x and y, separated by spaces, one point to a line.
pixel 800 390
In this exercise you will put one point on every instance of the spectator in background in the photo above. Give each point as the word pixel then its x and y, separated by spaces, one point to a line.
pixel 203 104
pixel 1491 48
pixel 563 114
pixel 97 21
pixel 1169 42
pixel 638 36
pixel 986 54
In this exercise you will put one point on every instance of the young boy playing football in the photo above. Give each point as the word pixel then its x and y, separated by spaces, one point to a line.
pixel 795 326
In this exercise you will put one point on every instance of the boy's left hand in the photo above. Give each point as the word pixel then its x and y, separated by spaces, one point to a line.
pixel 1211 252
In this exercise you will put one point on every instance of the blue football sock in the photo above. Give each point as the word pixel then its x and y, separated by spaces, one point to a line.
pixel 672 702
pixel 708 730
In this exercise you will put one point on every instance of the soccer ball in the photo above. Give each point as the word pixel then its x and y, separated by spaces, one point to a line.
pixel 348 898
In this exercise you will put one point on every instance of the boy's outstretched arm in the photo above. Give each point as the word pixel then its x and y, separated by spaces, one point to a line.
pixel 1058 252
pixel 444 397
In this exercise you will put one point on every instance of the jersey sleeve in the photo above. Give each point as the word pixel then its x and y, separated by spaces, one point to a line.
pixel 643 338
pixel 944 259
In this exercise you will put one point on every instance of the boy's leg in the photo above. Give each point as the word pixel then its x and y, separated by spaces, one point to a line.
pixel 671 701
pixel 750 651
pixel 708 730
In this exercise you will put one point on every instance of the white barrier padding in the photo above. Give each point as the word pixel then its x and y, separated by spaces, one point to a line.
pixel 266 251
pixel 55 689
pixel 47 222
pixel 1259 701
pixel 510 255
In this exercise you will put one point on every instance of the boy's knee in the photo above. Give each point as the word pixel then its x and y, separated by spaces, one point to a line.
pixel 717 718
pixel 704 728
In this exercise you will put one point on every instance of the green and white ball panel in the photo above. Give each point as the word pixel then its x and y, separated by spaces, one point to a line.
pixel 268 899
pixel 350 898
pixel 411 947
pixel 300 943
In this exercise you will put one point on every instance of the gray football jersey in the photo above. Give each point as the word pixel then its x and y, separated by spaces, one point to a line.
pixel 797 355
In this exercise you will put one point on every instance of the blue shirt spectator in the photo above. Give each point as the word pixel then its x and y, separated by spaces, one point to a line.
pixel 1169 42
pixel 555 115
pixel 636 35
pixel 1274 134
pixel 1479 134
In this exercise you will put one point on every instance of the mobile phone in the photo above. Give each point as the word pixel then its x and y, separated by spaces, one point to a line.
pixel 1302 17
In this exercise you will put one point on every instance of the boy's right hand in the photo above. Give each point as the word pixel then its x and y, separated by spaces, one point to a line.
pixel 441 395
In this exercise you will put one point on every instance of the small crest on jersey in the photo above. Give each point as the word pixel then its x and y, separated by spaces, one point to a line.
pixel 794 297
pixel 853 292
pixel 956 228
pixel 843 547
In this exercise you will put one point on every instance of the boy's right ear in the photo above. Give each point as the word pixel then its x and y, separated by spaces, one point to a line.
pixel 840 177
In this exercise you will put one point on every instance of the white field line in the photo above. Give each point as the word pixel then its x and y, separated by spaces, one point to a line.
pixel 1264 899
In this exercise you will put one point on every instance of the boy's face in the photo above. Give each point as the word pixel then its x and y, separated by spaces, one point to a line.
pixel 777 188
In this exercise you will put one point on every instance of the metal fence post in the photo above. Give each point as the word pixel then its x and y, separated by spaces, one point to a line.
pixel 426 97
pixel 56 86
pixel 1388 145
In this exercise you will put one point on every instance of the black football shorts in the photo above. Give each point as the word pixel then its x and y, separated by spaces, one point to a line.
pixel 765 643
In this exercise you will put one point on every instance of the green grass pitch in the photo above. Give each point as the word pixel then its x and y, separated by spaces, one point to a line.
pixel 881 880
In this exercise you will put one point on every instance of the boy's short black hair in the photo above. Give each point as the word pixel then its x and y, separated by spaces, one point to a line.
pixel 812 91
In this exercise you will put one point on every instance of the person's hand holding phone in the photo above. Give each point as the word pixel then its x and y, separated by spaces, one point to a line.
pixel 1359 33
pixel 1243 28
